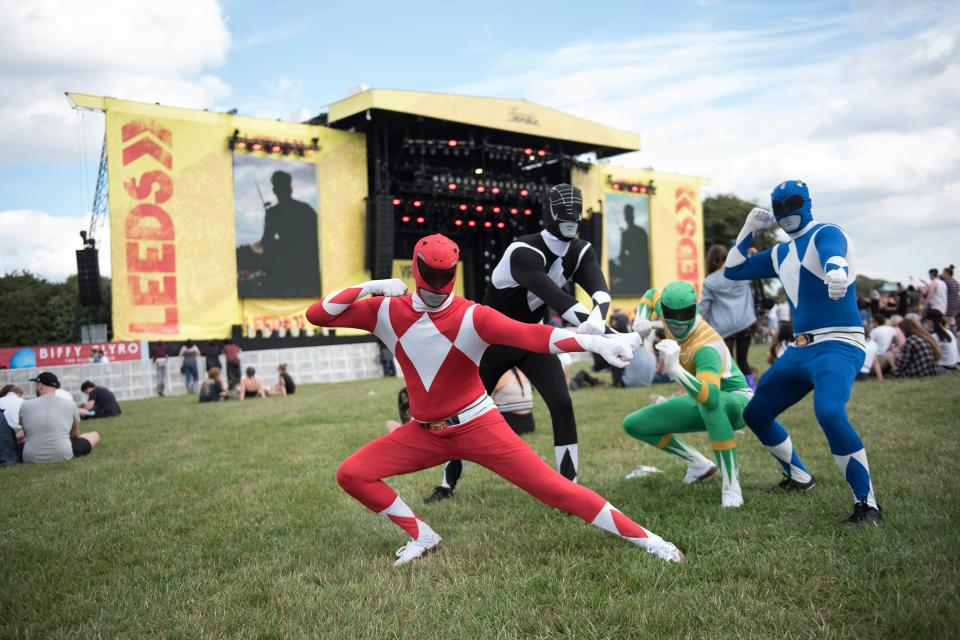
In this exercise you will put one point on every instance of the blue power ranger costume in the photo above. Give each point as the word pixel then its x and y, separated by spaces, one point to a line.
pixel 816 269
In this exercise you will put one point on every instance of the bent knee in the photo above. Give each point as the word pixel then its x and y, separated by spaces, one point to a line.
pixel 349 473
pixel 831 415
pixel 755 415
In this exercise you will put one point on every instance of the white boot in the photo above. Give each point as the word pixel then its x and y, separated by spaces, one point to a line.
pixel 731 497
pixel 657 546
pixel 429 542
pixel 700 472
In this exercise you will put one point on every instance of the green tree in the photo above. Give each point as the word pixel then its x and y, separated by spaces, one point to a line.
pixel 36 311
pixel 723 217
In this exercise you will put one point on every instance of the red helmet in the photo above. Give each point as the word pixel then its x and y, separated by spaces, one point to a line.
pixel 435 268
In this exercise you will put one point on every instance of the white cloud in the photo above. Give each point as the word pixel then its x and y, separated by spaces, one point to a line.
pixel 140 50
pixel 44 244
pixel 865 108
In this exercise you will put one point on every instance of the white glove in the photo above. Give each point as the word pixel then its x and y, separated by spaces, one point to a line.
pixel 636 342
pixel 836 284
pixel 642 326
pixel 391 288
pixel 670 351
pixel 614 348
pixel 593 325
pixel 759 219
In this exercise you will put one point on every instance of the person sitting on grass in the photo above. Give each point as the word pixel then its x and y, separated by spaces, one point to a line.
pixel 285 385
pixel 51 425
pixel 935 323
pixel 213 389
pixel 101 403
pixel 918 356
pixel 11 397
pixel 251 386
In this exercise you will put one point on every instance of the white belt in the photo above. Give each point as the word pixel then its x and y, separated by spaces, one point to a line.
pixel 476 408
pixel 850 335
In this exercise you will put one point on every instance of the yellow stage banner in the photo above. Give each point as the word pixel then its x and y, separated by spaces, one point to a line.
pixel 273 315
pixel 179 229
pixel 651 237
pixel 403 269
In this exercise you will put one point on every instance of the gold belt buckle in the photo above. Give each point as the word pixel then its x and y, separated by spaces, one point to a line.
pixel 436 426
pixel 803 340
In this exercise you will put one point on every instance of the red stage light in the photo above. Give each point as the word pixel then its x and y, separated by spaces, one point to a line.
pixel 256 146
pixel 458 222
pixel 542 152
pixel 451 143
pixel 452 186
pixel 396 201
pixel 405 219
pixel 311 151
pixel 616 186
pixel 241 144
pixel 487 224
pixel 514 211
pixel 479 208
pixel 501 225
pixel 524 193
pixel 420 219
pixel 463 207
pixel 496 209
pixel 643 189
pixel 527 151
pixel 481 189
pixel 634 188
pixel 495 190
pixel 471 223
pixel 417 203
pixel 527 212
pixel 275 148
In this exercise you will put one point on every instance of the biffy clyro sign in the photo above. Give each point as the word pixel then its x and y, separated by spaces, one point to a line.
pixel 56 355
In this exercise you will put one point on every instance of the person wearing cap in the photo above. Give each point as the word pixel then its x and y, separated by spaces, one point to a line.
pixel 51 425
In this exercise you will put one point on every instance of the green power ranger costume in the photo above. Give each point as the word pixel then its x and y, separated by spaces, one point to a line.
pixel 696 357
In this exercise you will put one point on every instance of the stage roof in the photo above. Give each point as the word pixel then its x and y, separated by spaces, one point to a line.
pixel 518 116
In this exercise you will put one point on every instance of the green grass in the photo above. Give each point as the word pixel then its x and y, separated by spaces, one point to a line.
pixel 199 521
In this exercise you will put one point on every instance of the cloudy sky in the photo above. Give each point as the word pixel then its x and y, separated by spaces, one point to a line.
pixel 860 99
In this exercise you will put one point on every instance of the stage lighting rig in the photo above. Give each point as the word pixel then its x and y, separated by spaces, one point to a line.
pixel 646 188
pixel 272 146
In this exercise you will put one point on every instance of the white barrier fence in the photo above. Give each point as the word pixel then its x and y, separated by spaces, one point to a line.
pixel 132 380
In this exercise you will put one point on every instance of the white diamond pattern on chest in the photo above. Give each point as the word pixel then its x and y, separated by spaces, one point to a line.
pixel 426 347
pixel 556 274
pixel 790 274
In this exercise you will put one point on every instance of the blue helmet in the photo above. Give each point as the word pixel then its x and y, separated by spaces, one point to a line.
pixel 790 201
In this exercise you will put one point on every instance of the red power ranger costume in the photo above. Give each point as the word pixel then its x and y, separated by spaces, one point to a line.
pixel 438 339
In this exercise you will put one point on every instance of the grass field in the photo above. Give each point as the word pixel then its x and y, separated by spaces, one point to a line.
pixel 198 521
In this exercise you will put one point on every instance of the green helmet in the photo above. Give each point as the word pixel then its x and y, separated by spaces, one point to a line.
pixel 678 306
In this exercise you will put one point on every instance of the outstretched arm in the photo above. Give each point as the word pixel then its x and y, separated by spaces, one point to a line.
pixel 759 266
pixel 589 277
pixel 345 308
pixel 526 266
pixel 495 328
pixel 832 246
pixel 704 387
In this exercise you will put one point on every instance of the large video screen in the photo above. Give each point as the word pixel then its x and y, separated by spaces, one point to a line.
pixel 275 207
pixel 628 251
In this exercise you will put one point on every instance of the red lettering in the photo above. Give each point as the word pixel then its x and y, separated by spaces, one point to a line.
pixel 147 147
pixel 138 229
pixel 154 295
pixel 154 262
pixel 148 180
pixel 134 128
pixel 169 326
pixel 687 227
